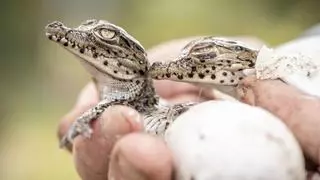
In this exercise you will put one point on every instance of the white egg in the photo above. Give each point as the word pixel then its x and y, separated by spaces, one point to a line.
pixel 223 140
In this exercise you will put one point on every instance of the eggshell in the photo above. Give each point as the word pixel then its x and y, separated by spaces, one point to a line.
pixel 227 140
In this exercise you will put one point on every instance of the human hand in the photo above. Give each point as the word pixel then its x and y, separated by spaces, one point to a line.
pixel 300 112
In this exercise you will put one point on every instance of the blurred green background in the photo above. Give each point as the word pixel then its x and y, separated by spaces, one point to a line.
pixel 40 81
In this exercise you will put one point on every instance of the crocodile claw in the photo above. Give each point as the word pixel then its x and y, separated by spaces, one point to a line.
pixel 77 128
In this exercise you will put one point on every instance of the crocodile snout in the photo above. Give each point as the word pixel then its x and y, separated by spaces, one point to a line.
pixel 55 28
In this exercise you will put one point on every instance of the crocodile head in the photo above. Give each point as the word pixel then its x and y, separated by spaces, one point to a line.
pixel 208 60
pixel 104 48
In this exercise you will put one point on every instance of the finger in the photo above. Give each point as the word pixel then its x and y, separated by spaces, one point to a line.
pixel 141 156
pixel 298 111
pixel 181 92
pixel 88 97
pixel 92 155
pixel 168 89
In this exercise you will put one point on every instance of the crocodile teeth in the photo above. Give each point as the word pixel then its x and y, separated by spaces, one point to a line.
pixel 63 40
pixel 54 38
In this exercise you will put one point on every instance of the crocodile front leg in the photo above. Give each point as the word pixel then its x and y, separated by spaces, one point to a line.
pixel 81 126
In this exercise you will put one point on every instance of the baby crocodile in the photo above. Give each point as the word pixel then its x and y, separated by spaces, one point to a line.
pixel 119 67
pixel 209 60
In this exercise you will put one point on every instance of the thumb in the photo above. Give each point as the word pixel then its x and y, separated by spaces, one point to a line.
pixel 91 156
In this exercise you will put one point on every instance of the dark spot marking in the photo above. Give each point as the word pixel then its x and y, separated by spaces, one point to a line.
pixel 119 64
pixel 190 75
pixel 231 80
pixel 224 73
pixel 221 81
pixel 95 55
pixel 93 48
pixel 175 74
pixel 180 76
pixel 232 73
pixel 141 72
pixel 251 65
pixel 115 53
pixel 240 78
pixel 187 58
pixel 219 64
pixel 115 71
pixel 137 82
pixel 213 68
pixel 201 76
pixel 193 68
pixel 167 125
pixel 213 76
pixel 162 75
pixel 168 75
pixel 134 71
pixel 81 50
pixel 145 103
pixel 108 51
pixel 66 44
pixel 207 71
pixel 105 63
pixel 204 66
pixel 127 72
pixel 58 39
pixel 228 61
pixel 50 37
pixel 240 69
pixel 73 45
pixel 202 60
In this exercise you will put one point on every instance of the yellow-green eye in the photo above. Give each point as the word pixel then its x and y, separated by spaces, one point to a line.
pixel 107 33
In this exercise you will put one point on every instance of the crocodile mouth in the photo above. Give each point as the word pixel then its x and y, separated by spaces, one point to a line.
pixel 88 57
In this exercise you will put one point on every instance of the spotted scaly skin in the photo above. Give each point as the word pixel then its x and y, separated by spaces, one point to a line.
pixel 208 61
pixel 119 67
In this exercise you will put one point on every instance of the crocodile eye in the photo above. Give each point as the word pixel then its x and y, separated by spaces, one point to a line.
pixel 90 22
pixel 231 42
pixel 107 33
pixel 238 48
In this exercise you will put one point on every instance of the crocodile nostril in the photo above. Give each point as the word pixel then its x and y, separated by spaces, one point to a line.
pixel 54 25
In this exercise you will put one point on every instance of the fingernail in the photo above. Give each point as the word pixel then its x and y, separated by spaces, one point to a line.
pixel 122 169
